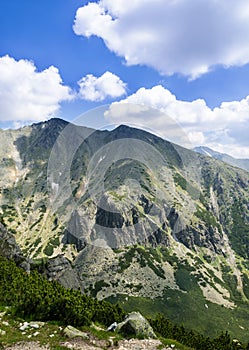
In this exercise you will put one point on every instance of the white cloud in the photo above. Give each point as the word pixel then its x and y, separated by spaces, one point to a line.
pixel 29 95
pixel 224 128
pixel 98 89
pixel 174 36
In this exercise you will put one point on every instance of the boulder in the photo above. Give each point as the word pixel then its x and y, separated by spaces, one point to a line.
pixel 2 332
pixel 136 324
pixel 72 332
pixel 112 327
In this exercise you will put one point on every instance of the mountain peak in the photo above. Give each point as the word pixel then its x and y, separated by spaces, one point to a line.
pixel 122 127
pixel 206 151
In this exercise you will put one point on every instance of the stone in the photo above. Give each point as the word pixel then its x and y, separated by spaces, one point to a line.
pixel 24 326
pixel 2 314
pixel 72 332
pixel 36 324
pixel 112 327
pixel 145 344
pixel 136 324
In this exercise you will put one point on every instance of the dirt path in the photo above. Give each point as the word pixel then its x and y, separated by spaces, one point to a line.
pixel 146 344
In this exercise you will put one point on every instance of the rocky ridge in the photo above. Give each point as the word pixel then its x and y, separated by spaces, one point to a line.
pixel 242 163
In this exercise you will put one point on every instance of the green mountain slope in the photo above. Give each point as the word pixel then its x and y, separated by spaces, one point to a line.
pixel 135 218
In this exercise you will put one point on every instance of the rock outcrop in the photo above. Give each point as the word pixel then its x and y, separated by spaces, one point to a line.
pixel 60 269
pixel 136 324
pixel 10 249
pixel 72 332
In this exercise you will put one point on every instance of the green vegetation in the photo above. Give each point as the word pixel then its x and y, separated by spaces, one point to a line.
pixel 33 297
pixel 184 279
pixel 54 242
pixel 145 256
pixel 50 333
pixel 97 287
pixel 195 340
pixel 232 283
pixel 189 308
pixel 49 249
pixel 239 235
pixel 186 186
pixel 206 216
pixel 148 257
pixel 126 259
pixel 246 285
pixel 117 196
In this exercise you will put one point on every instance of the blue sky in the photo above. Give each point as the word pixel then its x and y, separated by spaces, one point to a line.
pixel 187 58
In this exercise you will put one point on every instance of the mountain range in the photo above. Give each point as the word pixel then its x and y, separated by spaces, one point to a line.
pixel 242 163
pixel 129 217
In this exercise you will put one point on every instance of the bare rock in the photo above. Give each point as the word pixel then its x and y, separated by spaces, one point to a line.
pixel 72 332
pixel 136 324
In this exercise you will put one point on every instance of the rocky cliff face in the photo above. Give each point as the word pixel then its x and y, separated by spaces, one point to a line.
pixel 10 250
pixel 127 216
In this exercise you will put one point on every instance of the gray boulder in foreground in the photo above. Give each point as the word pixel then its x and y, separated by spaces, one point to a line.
pixel 136 324
pixel 72 332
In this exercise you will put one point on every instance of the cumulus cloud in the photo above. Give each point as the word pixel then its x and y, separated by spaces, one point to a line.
pixel 176 36
pixel 224 128
pixel 27 94
pixel 98 89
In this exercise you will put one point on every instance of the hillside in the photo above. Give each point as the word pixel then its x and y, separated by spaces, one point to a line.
pixel 127 216
pixel 39 312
